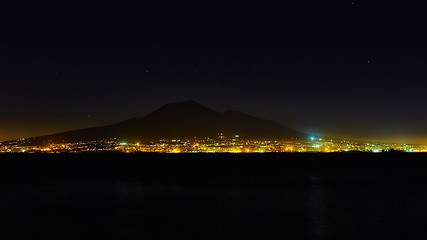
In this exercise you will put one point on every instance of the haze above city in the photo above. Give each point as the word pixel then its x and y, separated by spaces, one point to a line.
pixel 350 70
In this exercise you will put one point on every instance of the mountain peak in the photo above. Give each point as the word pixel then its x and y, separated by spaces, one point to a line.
pixel 188 103
pixel 191 101
pixel 185 108
pixel 234 112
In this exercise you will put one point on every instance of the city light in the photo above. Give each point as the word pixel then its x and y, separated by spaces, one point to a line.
pixel 221 144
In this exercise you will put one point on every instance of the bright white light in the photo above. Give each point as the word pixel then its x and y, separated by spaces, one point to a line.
pixel 312 138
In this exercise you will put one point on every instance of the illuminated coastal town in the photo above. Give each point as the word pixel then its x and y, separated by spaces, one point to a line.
pixel 221 144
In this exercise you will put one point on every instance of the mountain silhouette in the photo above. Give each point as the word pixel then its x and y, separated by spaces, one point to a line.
pixel 181 120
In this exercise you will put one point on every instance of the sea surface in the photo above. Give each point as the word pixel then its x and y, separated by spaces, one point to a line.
pixel 214 196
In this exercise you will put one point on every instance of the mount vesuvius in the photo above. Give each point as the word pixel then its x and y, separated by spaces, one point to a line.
pixel 180 120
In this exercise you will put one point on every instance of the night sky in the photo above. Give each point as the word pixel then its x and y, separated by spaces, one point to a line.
pixel 350 69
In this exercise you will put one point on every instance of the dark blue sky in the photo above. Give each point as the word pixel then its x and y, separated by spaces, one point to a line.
pixel 354 69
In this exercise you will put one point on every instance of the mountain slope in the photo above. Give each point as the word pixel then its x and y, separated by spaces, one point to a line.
pixel 181 120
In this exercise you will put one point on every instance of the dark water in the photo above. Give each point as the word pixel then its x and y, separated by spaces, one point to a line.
pixel 214 196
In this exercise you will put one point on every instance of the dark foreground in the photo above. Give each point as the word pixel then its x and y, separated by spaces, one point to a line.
pixel 214 196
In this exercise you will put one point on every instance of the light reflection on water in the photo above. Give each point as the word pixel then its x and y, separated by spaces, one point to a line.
pixel 317 209
pixel 123 208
